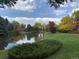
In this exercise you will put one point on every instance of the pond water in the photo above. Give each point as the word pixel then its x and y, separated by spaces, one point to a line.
pixel 10 42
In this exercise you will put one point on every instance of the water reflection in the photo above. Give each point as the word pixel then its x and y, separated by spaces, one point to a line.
pixel 11 41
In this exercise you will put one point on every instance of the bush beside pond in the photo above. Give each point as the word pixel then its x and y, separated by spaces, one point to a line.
pixel 38 50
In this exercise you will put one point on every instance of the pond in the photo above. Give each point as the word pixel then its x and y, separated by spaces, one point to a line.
pixel 11 41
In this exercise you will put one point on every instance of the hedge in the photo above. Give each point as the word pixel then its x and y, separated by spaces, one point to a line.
pixel 38 50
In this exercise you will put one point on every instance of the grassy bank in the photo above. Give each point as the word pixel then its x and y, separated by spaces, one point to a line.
pixel 3 54
pixel 70 45
pixel 70 48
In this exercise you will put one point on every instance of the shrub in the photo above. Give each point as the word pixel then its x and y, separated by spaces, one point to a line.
pixel 38 50
pixel 74 32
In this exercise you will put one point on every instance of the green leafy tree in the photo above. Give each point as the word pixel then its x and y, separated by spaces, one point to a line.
pixel 18 27
pixel 75 17
pixel 38 25
pixel 4 25
pixel 23 27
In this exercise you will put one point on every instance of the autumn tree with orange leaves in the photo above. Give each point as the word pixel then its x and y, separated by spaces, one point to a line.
pixel 52 26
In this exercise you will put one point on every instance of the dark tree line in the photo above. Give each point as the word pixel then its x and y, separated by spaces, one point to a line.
pixel 7 27
pixel 4 25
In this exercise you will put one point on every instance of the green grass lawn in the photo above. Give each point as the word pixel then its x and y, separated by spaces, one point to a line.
pixel 3 54
pixel 70 49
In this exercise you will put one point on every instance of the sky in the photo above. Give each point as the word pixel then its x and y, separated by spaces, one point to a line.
pixel 31 11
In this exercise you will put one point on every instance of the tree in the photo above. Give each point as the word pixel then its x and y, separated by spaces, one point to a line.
pixel 9 3
pixel 38 25
pixel 4 26
pixel 66 27
pixel 29 28
pixel 4 23
pixel 56 3
pixel 66 19
pixel 75 17
pixel 18 27
pixel 66 24
pixel 23 27
pixel 15 25
pixel 52 27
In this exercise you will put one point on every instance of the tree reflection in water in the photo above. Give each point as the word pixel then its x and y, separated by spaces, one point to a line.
pixel 11 41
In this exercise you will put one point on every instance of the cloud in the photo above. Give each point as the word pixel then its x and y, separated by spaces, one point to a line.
pixel 59 12
pixel 38 9
pixel 73 4
pixel 32 21
pixel 67 8
pixel 27 5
